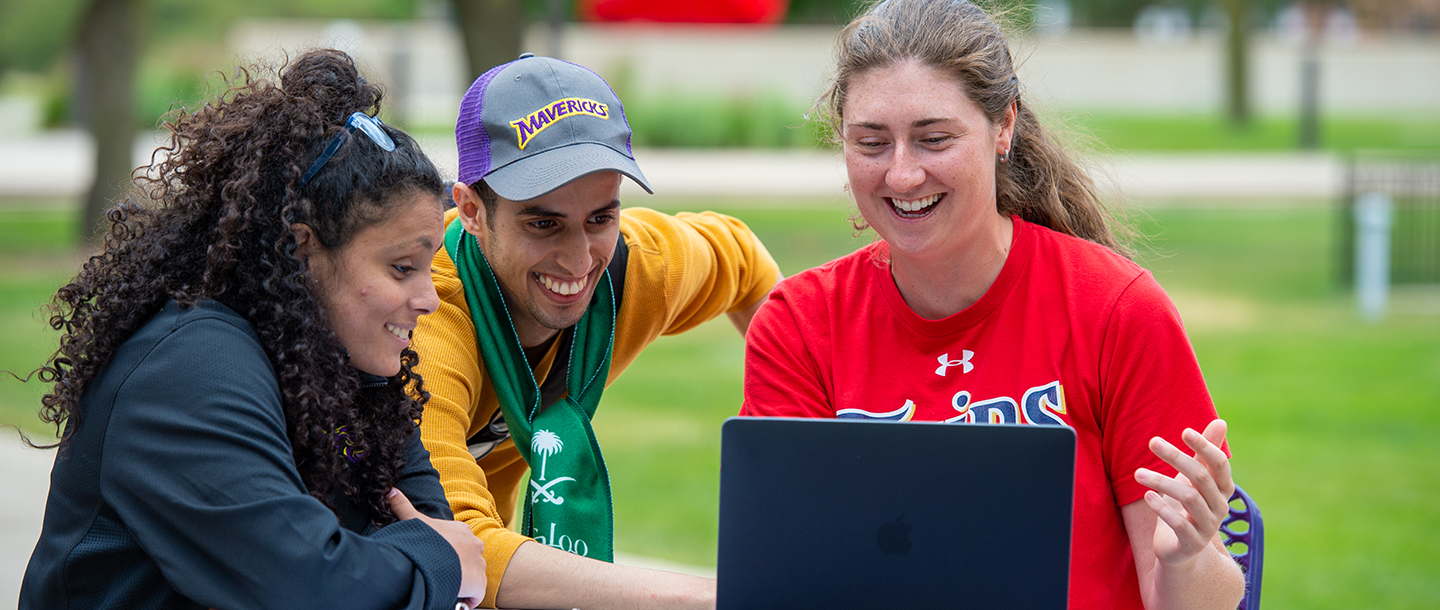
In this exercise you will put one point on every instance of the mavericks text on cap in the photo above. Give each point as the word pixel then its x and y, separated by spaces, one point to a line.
pixel 537 121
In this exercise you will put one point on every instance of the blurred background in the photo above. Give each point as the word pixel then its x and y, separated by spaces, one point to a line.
pixel 1243 138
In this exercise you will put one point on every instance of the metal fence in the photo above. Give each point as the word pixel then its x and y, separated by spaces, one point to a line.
pixel 1412 181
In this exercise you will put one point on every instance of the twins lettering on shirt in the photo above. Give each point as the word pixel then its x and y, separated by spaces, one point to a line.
pixel 1041 405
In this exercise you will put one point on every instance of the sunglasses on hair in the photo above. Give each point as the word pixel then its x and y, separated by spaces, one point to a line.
pixel 367 125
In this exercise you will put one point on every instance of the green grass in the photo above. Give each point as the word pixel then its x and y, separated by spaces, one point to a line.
pixel 1212 133
pixel 1265 254
pixel 1333 422
pixel 35 259
pixel 691 121
pixel 35 230
pixel 800 234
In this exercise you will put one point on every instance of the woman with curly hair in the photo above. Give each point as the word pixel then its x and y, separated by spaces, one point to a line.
pixel 234 379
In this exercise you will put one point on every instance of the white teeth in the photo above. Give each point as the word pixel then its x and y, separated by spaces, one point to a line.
pixel 397 331
pixel 916 205
pixel 561 288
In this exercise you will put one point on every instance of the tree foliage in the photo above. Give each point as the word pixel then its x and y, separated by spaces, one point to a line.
pixel 34 32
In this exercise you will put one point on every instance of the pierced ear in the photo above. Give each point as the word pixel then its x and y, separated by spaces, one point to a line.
pixel 309 250
pixel 1007 130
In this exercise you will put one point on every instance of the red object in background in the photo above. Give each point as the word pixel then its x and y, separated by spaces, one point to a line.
pixel 684 11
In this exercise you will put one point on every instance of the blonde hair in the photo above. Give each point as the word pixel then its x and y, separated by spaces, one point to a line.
pixel 1038 182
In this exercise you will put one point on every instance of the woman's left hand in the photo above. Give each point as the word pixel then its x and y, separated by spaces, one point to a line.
pixel 1191 506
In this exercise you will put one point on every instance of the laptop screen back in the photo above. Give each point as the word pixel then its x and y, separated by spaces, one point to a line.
pixel 859 514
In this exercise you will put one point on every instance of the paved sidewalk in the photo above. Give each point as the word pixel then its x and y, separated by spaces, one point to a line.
pixel 59 164
pixel 25 478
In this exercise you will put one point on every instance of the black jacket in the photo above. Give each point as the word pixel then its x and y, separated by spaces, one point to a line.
pixel 178 490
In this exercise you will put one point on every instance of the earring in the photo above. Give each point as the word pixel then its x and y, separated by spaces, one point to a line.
pixel 1005 156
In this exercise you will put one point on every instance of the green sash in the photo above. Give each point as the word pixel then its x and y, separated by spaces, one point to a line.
pixel 567 505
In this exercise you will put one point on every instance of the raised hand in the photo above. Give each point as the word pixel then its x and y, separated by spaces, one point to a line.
pixel 466 545
pixel 1191 506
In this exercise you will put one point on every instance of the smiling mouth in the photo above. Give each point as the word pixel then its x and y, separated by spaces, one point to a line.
pixel 915 208
pixel 398 332
pixel 564 289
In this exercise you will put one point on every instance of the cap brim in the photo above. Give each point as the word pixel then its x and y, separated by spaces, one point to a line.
pixel 533 176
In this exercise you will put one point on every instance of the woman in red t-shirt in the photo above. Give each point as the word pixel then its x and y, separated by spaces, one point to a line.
pixel 998 294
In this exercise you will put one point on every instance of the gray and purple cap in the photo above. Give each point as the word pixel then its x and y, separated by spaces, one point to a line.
pixel 535 124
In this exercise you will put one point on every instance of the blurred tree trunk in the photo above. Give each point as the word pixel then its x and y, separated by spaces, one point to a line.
pixel 1316 11
pixel 555 23
pixel 493 31
pixel 109 45
pixel 1237 62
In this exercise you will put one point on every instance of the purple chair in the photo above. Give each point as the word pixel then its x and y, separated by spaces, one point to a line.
pixel 1244 533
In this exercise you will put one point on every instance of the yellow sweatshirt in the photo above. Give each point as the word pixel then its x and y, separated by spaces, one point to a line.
pixel 683 270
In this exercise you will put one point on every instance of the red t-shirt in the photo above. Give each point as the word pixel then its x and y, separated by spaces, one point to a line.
pixel 1069 334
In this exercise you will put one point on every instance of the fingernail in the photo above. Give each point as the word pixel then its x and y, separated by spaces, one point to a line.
pixel 392 493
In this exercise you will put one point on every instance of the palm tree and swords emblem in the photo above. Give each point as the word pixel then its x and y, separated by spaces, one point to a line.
pixel 546 443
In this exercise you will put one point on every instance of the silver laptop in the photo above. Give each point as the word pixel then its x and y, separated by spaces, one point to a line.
pixel 831 514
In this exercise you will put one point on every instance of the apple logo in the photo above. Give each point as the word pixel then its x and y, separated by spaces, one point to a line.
pixel 894 538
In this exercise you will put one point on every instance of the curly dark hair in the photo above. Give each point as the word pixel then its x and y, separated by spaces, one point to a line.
pixel 210 218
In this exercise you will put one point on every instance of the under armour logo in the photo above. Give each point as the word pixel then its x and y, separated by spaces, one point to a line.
pixel 946 362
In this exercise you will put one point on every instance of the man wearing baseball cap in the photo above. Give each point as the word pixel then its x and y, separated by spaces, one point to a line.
pixel 548 291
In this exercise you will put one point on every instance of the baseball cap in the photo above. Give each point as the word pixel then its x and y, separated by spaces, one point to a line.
pixel 532 125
